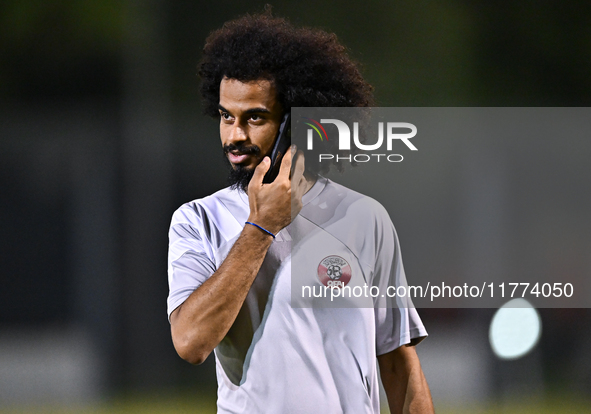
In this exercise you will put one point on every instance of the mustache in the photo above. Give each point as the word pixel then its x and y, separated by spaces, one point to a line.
pixel 242 149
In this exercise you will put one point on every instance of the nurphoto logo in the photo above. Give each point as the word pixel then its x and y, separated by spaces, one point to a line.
pixel 388 132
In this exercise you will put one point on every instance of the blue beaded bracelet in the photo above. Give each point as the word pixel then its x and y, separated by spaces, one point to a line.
pixel 263 229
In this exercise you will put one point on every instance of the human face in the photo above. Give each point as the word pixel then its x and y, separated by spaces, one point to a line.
pixel 249 120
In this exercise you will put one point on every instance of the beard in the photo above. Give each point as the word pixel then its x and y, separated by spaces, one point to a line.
pixel 240 176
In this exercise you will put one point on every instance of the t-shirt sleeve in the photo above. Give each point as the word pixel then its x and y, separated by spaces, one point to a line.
pixel 397 321
pixel 189 260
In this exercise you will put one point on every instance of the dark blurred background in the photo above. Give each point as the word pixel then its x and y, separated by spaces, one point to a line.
pixel 102 137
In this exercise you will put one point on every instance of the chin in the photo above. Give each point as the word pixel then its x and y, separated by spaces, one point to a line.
pixel 244 167
pixel 240 177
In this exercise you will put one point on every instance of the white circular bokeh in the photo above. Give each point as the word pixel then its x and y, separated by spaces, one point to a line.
pixel 515 329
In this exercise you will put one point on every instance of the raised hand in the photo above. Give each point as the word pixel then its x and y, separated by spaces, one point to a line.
pixel 274 205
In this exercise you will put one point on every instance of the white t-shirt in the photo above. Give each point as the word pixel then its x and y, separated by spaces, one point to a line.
pixel 282 359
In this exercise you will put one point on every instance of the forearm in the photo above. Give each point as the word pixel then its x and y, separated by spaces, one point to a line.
pixel 404 382
pixel 418 396
pixel 202 321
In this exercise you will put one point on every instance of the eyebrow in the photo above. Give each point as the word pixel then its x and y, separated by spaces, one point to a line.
pixel 248 111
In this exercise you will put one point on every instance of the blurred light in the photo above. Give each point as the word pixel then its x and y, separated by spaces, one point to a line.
pixel 515 329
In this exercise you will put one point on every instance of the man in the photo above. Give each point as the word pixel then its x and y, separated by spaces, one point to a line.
pixel 229 257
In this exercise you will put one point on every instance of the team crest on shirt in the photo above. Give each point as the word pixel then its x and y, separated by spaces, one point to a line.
pixel 334 272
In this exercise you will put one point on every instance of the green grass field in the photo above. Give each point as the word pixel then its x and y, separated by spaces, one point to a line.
pixel 174 403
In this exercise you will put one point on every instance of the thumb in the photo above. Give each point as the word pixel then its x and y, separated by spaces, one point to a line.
pixel 260 171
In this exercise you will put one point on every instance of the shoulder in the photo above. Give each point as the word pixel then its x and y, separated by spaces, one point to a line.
pixel 216 204
pixel 215 217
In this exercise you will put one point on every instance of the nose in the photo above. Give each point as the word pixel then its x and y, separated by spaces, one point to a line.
pixel 237 134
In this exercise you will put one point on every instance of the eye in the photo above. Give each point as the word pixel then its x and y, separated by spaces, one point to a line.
pixel 256 118
pixel 225 116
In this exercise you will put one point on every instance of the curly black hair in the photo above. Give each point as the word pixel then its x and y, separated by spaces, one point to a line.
pixel 309 67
